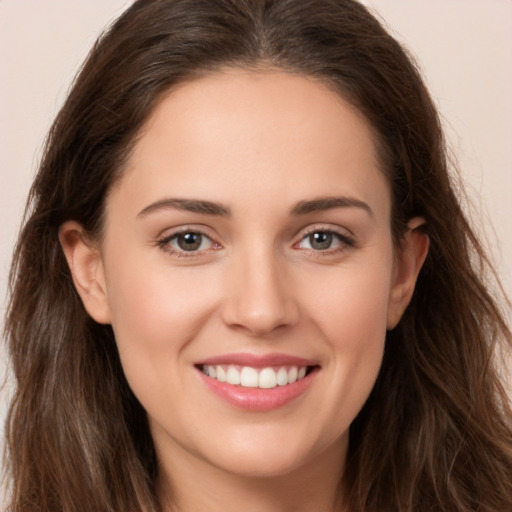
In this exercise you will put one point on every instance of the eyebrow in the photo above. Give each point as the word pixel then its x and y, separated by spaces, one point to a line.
pixel 211 208
pixel 189 205
pixel 328 203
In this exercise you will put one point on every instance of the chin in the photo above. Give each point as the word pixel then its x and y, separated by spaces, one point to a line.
pixel 262 466
pixel 272 456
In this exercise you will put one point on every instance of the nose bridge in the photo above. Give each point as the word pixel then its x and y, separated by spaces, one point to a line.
pixel 259 297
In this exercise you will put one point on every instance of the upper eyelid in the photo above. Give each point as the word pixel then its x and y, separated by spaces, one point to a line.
pixel 164 243
pixel 169 233
pixel 177 233
pixel 325 227
pixel 346 239
pixel 163 239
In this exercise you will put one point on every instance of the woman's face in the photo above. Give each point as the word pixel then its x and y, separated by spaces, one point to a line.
pixel 249 240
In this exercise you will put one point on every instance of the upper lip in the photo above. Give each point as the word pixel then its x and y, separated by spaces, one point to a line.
pixel 257 360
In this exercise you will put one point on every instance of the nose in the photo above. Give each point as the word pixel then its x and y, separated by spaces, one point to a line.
pixel 260 299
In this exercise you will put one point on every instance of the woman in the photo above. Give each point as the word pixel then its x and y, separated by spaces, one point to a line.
pixel 245 279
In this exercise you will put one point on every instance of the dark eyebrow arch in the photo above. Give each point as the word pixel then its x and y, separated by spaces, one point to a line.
pixel 189 205
pixel 328 203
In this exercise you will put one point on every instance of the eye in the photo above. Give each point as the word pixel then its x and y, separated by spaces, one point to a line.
pixel 320 240
pixel 189 241
pixel 325 240
pixel 186 242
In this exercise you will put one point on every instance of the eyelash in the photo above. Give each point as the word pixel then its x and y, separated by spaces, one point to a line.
pixel 164 243
pixel 345 242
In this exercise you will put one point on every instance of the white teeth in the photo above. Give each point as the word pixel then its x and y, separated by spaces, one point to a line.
pixel 292 374
pixel 221 374
pixel 266 378
pixel 233 376
pixel 249 377
pixel 282 377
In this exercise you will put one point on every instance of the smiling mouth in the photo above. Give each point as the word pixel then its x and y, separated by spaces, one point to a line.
pixel 250 377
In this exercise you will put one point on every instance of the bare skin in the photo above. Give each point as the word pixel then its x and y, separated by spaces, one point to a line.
pixel 253 218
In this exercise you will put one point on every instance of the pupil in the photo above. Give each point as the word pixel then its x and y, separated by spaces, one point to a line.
pixel 189 241
pixel 320 240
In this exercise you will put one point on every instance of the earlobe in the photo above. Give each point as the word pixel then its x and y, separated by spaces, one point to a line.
pixel 409 261
pixel 86 266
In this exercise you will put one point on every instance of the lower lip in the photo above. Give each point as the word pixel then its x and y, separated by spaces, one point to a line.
pixel 258 399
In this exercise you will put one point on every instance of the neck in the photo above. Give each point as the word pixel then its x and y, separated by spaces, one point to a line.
pixel 197 485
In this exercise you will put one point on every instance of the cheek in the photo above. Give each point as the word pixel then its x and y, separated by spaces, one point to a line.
pixel 352 309
pixel 156 315
pixel 155 310
pixel 351 317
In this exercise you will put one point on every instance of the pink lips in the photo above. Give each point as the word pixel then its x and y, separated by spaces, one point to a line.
pixel 258 399
pixel 257 361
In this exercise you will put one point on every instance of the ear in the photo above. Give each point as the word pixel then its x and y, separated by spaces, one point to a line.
pixel 409 260
pixel 86 266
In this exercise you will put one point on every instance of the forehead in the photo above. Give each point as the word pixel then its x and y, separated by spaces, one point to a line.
pixel 265 132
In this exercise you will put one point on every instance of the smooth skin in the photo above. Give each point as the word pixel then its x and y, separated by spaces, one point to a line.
pixel 212 246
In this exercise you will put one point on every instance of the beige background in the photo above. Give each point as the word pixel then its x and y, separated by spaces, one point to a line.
pixel 464 48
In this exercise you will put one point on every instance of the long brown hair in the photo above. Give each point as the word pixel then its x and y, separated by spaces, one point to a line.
pixel 435 433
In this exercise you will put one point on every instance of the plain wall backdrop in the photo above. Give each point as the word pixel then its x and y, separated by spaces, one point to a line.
pixel 463 47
